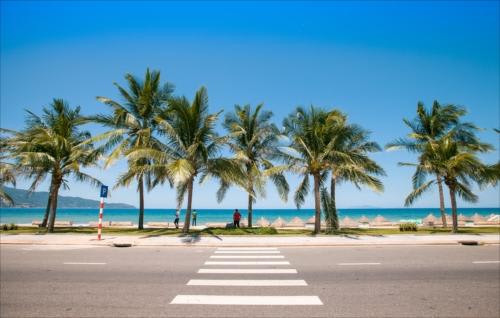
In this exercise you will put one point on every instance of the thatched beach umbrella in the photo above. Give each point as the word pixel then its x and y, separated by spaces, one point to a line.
pixel 279 222
pixel 380 219
pixel 311 220
pixel 462 218
pixel 429 219
pixel 263 222
pixel 478 218
pixel 494 218
pixel 364 219
pixel 243 222
pixel 296 222
pixel 348 222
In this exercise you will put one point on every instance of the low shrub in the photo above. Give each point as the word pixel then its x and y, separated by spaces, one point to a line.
pixel 5 227
pixel 408 227
pixel 12 226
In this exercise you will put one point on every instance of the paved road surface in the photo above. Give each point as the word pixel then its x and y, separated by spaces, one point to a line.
pixel 390 281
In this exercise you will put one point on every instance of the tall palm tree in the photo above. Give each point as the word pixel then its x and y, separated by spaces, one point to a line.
pixel 349 162
pixel 53 144
pixel 459 167
pixel 191 149
pixel 428 126
pixel 132 126
pixel 254 141
pixel 7 171
pixel 309 150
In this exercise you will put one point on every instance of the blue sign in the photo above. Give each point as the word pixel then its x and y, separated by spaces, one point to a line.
pixel 104 191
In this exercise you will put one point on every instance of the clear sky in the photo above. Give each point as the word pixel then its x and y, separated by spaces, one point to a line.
pixel 373 60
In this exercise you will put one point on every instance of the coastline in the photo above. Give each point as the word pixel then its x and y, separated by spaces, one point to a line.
pixel 86 216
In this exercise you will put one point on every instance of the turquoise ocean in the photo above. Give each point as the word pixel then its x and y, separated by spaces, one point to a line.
pixel 82 216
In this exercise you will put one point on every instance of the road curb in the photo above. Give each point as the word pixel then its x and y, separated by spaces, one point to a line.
pixel 134 244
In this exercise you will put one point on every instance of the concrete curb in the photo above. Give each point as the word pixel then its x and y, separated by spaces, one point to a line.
pixel 241 241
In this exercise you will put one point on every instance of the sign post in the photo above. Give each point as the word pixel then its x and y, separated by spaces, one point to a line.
pixel 104 194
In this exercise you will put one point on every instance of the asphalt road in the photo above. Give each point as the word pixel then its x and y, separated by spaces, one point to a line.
pixel 390 281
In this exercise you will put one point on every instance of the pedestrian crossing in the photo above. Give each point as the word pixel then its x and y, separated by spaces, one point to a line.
pixel 243 265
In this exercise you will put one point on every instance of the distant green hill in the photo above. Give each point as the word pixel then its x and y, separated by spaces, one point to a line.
pixel 24 199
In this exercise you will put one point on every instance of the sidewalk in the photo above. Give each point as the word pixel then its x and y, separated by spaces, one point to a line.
pixel 275 240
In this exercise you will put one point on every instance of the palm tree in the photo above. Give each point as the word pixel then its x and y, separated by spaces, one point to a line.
pixel 254 141
pixel 7 176
pixel 349 162
pixel 7 171
pixel 53 144
pixel 458 165
pixel 132 126
pixel 308 154
pixel 191 149
pixel 427 127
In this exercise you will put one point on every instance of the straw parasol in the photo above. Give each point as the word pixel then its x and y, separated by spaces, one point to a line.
pixel 379 219
pixel 478 218
pixel 243 222
pixel 263 222
pixel 364 219
pixel 279 222
pixel 462 218
pixel 348 222
pixel 494 218
pixel 429 219
pixel 296 221
pixel 312 219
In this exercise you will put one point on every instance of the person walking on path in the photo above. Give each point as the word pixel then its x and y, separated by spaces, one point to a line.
pixel 194 214
pixel 236 218
pixel 176 220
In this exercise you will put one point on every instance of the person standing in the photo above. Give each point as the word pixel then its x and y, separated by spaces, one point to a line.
pixel 176 220
pixel 194 214
pixel 236 218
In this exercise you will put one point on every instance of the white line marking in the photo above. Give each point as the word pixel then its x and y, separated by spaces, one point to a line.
pixel 355 264
pixel 247 263
pixel 247 252
pixel 245 271
pixel 75 263
pixel 247 256
pixel 486 262
pixel 246 300
pixel 247 282
pixel 247 248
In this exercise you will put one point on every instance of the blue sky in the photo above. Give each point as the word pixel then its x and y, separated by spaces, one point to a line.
pixel 373 60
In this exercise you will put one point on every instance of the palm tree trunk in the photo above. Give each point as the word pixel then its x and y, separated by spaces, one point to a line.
pixel 187 220
pixel 441 200
pixel 250 190
pixel 141 204
pixel 47 210
pixel 250 202
pixel 334 219
pixel 317 207
pixel 53 207
pixel 453 208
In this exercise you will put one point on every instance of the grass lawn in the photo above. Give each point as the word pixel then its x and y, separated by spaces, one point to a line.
pixel 245 231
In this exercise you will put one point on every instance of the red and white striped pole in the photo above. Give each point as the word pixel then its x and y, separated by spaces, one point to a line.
pixel 99 227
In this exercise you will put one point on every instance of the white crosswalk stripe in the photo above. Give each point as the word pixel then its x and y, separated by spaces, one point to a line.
pixel 246 271
pixel 246 256
pixel 246 263
pixel 247 282
pixel 247 249
pixel 246 300
pixel 247 252
pixel 229 258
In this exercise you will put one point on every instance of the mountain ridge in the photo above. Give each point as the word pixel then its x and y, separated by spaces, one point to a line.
pixel 38 199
